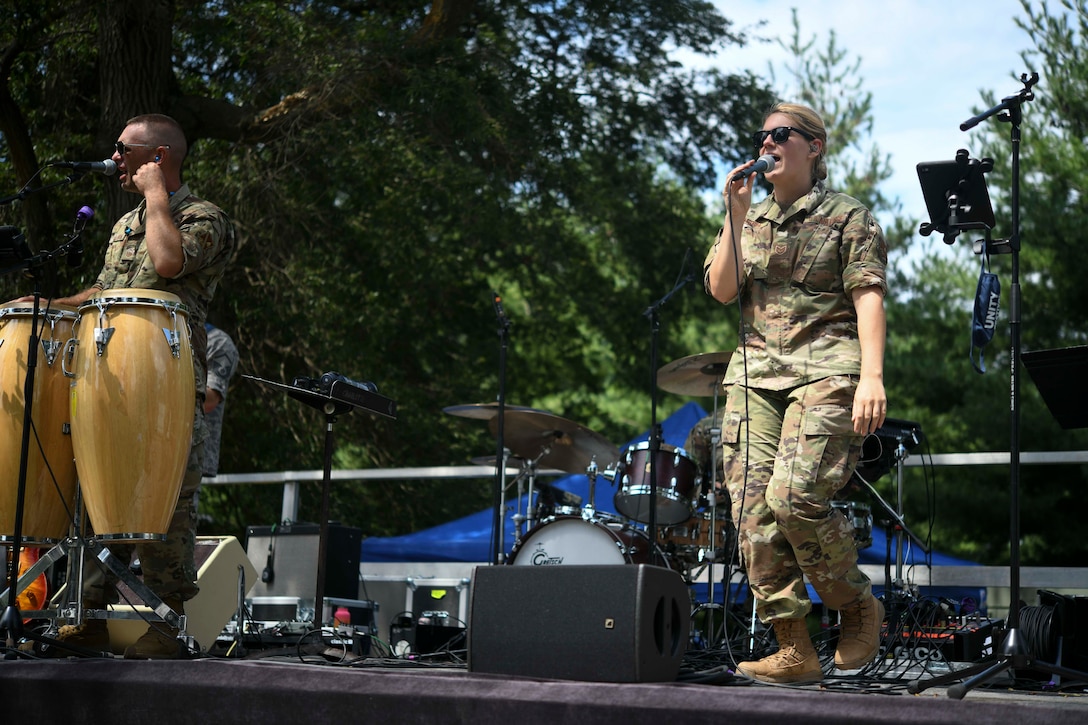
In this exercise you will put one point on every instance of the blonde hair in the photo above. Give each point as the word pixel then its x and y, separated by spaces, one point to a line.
pixel 809 121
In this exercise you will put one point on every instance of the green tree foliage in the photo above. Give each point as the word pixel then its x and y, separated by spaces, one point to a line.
pixel 388 165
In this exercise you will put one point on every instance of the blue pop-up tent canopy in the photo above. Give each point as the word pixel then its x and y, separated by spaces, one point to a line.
pixel 468 539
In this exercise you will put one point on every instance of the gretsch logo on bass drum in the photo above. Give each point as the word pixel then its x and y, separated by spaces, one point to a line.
pixel 541 558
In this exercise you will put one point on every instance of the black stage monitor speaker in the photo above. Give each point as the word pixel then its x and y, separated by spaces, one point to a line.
pixel 608 623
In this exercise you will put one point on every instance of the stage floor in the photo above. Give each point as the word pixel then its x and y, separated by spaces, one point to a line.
pixel 324 685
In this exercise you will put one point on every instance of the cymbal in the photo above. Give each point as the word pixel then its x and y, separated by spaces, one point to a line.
pixel 698 374
pixel 483 411
pixel 558 442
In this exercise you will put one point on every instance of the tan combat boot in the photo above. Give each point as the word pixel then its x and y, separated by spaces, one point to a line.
pixel 92 634
pixel 160 641
pixel 859 634
pixel 795 661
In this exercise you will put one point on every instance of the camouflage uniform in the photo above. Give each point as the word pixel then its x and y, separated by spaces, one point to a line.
pixel 208 243
pixel 222 362
pixel 787 436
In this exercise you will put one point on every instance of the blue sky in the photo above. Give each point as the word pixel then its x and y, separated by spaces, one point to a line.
pixel 926 63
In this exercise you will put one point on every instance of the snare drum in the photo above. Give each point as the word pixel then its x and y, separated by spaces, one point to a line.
pixel 47 506
pixel 132 398
pixel 567 540
pixel 860 517
pixel 690 542
pixel 677 477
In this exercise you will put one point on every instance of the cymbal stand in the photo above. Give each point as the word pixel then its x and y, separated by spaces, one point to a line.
pixel 715 444
pixel 654 444
pixel 498 552
pixel 895 515
pixel 526 495
pixel 589 511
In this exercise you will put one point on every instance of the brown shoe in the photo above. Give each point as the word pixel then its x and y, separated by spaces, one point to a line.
pixel 859 634
pixel 92 634
pixel 795 662
pixel 160 641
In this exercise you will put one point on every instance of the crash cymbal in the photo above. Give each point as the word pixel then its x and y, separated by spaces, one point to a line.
pixel 483 411
pixel 696 374
pixel 558 442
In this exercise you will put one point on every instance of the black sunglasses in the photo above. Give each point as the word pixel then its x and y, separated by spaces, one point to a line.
pixel 778 135
pixel 122 147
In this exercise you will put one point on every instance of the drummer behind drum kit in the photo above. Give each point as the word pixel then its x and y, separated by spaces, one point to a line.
pixel 114 438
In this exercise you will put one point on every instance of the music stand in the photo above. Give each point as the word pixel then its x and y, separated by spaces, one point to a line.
pixel 1062 379
pixel 334 396
pixel 1013 651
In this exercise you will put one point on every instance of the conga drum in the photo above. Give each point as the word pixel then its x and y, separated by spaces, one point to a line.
pixel 51 472
pixel 132 404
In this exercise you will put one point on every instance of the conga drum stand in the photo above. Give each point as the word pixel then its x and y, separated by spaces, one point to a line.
pixel 334 395
pixel 76 547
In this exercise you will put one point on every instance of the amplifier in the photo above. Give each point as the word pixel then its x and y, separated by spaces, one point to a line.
pixel 286 557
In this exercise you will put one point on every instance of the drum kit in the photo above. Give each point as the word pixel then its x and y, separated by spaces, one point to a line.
pixel 558 528
pixel 111 414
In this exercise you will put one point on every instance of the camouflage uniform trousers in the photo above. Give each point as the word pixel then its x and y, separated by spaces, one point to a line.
pixel 168 566
pixel 782 469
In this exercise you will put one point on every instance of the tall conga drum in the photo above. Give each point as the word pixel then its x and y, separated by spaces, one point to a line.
pixel 51 471
pixel 132 403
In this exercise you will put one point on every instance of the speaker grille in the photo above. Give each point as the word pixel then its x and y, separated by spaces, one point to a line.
pixel 626 623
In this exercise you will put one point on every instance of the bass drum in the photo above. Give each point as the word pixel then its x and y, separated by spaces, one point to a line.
pixel 572 540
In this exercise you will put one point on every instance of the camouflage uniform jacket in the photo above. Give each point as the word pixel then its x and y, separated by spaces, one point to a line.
pixel 800 266
pixel 208 242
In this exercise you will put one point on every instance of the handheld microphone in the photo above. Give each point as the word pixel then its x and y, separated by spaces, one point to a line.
pixel 269 574
pixel 75 251
pixel 762 165
pixel 106 167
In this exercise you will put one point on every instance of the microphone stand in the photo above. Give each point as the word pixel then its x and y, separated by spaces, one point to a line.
pixel 1014 651
pixel 11 623
pixel 499 487
pixel 653 313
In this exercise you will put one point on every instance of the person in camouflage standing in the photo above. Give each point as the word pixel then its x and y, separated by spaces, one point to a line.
pixel 222 362
pixel 175 242
pixel 805 386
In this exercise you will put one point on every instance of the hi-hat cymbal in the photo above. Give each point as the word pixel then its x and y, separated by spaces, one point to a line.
pixel 558 442
pixel 698 374
pixel 484 411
